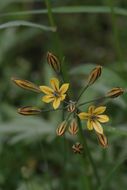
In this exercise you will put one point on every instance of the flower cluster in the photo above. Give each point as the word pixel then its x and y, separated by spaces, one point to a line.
pixel 57 95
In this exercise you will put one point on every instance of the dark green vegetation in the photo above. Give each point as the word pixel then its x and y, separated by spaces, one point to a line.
pixel 88 32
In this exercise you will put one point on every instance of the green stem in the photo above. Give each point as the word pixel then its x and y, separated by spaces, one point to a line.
pixel 84 89
pixel 55 37
pixel 115 33
pixel 94 100
pixel 87 151
pixel 65 151
pixel 52 22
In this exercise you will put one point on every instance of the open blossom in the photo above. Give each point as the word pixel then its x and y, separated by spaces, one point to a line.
pixel 94 117
pixel 55 94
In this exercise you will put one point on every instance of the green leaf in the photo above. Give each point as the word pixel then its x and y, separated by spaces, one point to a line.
pixel 28 129
pixel 119 131
pixel 26 23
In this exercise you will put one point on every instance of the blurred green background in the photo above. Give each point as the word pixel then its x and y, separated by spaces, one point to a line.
pixel 88 32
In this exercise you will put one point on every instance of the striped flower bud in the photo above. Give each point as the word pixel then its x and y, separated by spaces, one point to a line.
pixel 71 107
pixel 102 139
pixel 94 75
pixel 25 84
pixel 77 148
pixel 29 110
pixel 61 128
pixel 73 128
pixel 115 92
pixel 53 62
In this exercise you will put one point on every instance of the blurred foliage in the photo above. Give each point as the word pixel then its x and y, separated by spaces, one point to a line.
pixel 32 157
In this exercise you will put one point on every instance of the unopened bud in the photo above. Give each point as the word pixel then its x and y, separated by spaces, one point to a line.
pixel 94 75
pixel 102 139
pixel 25 84
pixel 29 110
pixel 77 148
pixel 73 128
pixel 61 129
pixel 53 62
pixel 71 107
pixel 115 92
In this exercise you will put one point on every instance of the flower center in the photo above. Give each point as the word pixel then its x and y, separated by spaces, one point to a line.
pixel 56 94
pixel 93 117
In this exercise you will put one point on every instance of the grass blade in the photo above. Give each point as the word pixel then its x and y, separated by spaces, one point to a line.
pixel 28 24
pixel 108 177
pixel 71 10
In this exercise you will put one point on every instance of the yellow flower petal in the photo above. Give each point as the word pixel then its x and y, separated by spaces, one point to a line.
pixel 56 103
pixel 89 124
pixel 91 109
pixel 62 97
pixel 83 115
pixel 99 110
pixel 47 98
pixel 64 88
pixel 46 90
pixel 55 84
pixel 97 127
pixel 103 118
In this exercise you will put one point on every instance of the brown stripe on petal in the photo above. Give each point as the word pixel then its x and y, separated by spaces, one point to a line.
pixel 61 128
pixel 53 62
pixel 71 107
pixel 115 92
pixel 73 128
pixel 102 139
pixel 25 84
pixel 29 110
pixel 94 75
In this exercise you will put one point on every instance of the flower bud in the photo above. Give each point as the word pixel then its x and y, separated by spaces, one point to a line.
pixel 115 92
pixel 29 110
pixel 94 75
pixel 61 129
pixel 25 84
pixel 71 107
pixel 53 62
pixel 73 128
pixel 77 148
pixel 102 139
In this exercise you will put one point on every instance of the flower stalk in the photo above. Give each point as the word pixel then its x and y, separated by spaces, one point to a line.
pixel 84 142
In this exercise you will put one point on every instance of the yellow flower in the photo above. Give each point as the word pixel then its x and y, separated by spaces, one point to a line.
pixel 94 118
pixel 55 94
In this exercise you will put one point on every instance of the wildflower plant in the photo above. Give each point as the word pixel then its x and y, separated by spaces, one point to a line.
pixel 57 95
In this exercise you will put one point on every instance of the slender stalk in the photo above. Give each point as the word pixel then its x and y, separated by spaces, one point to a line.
pixel 84 89
pixel 84 142
pixel 94 100
pixel 65 150
pixel 116 33
pixel 52 22
pixel 111 173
